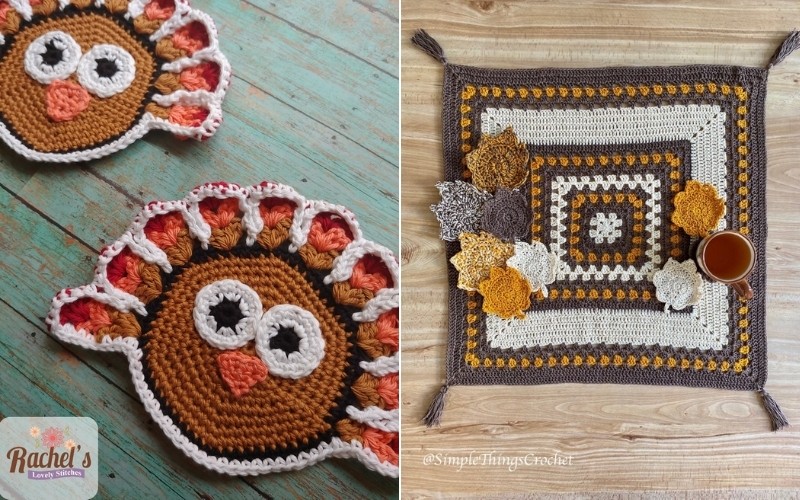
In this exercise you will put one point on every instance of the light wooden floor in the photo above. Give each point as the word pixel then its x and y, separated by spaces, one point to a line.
pixel 625 439
pixel 313 104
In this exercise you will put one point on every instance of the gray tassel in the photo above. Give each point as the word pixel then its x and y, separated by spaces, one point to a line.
pixel 788 46
pixel 434 415
pixel 774 411
pixel 428 45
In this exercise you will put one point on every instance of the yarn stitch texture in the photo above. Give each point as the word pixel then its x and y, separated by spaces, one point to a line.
pixel 82 79
pixel 261 328
pixel 614 158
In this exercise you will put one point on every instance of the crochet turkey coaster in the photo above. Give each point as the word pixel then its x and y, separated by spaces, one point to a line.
pixel 573 204
pixel 261 328
pixel 81 79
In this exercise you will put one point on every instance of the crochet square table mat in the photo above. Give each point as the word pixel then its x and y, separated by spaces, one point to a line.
pixel 573 203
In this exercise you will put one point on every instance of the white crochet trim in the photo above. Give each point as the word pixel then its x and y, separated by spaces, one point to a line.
pixel 306 358
pixel 211 101
pixel 23 7
pixel 703 126
pixel 252 219
pixel 45 73
pixel 198 226
pixel 385 420
pixel 383 301
pixel 560 221
pixel 382 366
pixel 301 226
pixel 136 241
pixel 102 86
pixel 226 337
pixel 343 264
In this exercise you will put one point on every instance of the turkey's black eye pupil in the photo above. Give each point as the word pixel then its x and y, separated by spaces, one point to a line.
pixel 286 340
pixel 227 314
pixel 52 54
pixel 106 68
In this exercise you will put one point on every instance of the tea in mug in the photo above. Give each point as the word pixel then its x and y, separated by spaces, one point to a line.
pixel 728 256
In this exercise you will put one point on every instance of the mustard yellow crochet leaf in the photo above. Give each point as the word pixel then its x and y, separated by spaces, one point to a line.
pixel 499 161
pixel 698 209
pixel 506 293
pixel 479 253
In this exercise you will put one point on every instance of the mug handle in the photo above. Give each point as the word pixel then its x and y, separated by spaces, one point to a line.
pixel 743 288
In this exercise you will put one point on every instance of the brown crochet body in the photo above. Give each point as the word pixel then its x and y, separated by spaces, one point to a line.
pixel 22 99
pixel 278 412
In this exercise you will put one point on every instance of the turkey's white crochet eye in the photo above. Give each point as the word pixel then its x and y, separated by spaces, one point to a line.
pixel 289 341
pixel 106 70
pixel 226 313
pixel 53 56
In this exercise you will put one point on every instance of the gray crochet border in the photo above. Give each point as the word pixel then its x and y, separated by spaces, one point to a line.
pixel 754 81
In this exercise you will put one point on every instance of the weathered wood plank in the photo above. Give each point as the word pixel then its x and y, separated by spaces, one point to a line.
pixel 20 400
pixel 355 24
pixel 330 86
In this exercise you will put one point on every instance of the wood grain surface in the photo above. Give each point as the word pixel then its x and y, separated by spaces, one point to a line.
pixel 623 439
pixel 313 104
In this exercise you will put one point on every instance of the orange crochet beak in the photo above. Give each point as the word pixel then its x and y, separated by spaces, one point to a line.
pixel 66 100
pixel 241 371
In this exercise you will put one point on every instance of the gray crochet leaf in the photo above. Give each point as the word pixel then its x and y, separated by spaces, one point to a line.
pixel 460 209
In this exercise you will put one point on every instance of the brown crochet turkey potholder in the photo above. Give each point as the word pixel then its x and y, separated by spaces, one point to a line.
pixel 260 328
pixel 81 79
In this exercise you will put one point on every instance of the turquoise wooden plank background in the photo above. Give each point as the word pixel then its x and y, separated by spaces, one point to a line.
pixel 313 104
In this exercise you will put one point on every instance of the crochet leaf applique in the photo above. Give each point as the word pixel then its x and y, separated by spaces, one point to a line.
pixel 506 215
pixel 499 161
pixel 535 263
pixel 678 284
pixel 698 208
pixel 506 293
pixel 479 253
pixel 460 209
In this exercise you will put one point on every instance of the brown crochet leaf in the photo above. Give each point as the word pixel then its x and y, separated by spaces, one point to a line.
pixel 228 237
pixel 273 238
pixel 345 294
pixel 317 260
pixel 499 161
pixel 150 287
pixel 122 325
pixel 180 253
